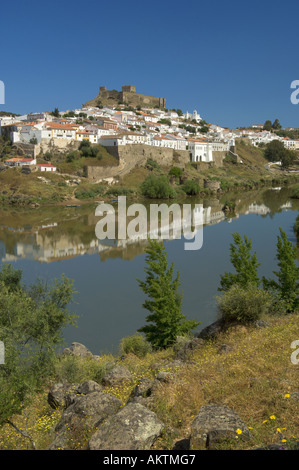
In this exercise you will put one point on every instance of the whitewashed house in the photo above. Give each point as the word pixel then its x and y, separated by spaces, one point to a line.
pixel 48 167
pixel 200 150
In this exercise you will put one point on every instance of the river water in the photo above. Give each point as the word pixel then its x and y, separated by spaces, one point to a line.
pixel 47 242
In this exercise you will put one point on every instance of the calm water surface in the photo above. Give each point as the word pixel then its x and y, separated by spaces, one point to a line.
pixel 45 243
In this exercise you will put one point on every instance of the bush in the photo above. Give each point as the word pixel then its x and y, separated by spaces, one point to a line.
pixel 176 171
pixel 135 344
pixel 118 191
pixel 71 156
pixel 191 187
pixel 87 193
pixel 243 305
pixel 295 192
pixel 152 164
pixel 157 187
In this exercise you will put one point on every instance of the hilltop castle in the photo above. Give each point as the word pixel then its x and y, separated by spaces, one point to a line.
pixel 127 96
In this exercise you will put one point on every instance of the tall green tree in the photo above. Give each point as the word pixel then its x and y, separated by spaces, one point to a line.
pixel 165 321
pixel 276 125
pixel 268 125
pixel 245 265
pixel 286 286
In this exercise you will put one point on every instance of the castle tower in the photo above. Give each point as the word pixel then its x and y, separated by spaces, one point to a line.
pixel 128 89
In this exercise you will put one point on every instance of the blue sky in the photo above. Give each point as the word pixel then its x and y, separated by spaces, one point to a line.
pixel 232 61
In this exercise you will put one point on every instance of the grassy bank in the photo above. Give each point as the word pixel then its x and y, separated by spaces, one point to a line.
pixel 253 375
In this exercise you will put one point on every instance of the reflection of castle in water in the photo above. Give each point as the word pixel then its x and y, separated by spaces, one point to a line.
pixel 47 243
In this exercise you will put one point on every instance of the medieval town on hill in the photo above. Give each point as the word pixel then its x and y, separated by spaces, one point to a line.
pixel 116 119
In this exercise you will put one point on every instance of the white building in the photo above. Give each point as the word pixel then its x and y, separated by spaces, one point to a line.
pixel 200 150
pixel 46 167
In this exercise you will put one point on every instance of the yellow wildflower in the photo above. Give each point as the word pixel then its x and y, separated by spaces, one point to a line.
pixel 272 417
pixel 239 431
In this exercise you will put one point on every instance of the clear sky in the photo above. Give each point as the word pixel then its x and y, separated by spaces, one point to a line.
pixel 232 61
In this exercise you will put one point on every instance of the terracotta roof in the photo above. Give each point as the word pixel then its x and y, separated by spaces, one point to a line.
pixel 56 125
pixel 46 164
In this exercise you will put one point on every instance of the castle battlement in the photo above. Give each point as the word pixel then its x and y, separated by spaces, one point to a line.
pixel 127 96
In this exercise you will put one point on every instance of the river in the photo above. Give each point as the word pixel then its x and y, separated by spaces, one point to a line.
pixel 47 242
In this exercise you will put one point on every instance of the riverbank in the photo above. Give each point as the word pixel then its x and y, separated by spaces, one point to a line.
pixel 69 187
pixel 246 370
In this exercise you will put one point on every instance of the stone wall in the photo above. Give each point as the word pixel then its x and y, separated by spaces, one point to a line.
pixel 218 158
pixel 127 96
pixel 55 145
pixel 129 157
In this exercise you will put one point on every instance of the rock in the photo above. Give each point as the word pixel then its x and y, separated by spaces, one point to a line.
pixel 211 331
pixel 224 348
pixel 143 389
pixel 134 427
pixel 89 386
pixel 116 376
pixel 86 412
pixel 261 324
pixel 183 444
pixel 215 424
pixel 183 349
pixel 77 349
pixel 62 395
pixel 163 376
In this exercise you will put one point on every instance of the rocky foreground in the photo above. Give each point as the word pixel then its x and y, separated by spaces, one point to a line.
pixel 135 426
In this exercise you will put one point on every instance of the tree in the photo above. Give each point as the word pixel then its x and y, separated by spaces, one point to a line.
pixel 165 321
pixel 287 158
pixel 55 113
pixel 274 150
pixel 31 321
pixel 245 264
pixel 276 125
pixel 286 287
pixel 268 126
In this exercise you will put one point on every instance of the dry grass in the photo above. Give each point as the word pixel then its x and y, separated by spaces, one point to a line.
pixel 254 376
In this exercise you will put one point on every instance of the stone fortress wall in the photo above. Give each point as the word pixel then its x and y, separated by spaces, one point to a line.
pixel 127 96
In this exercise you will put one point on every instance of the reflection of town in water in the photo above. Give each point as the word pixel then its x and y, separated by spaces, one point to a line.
pixel 74 235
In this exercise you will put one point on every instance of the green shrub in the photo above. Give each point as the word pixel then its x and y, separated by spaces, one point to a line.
pixel 243 305
pixel 296 226
pixel 176 171
pixel 135 344
pixel 90 192
pixel 157 187
pixel 191 187
pixel 72 369
pixel 152 164
pixel 119 191
pixel 295 192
